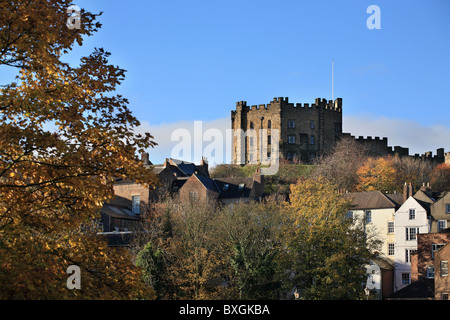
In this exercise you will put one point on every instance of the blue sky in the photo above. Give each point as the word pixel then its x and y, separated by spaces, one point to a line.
pixel 192 60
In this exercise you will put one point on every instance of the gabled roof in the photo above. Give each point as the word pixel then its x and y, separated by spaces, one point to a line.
pixel 370 200
pixel 207 182
pixel 422 289
pixel 187 168
pixel 234 187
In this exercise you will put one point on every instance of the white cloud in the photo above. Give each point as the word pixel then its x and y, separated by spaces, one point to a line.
pixel 189 140
pixel 406 133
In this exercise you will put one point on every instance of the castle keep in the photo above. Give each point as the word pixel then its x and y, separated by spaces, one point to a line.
pixel 304 131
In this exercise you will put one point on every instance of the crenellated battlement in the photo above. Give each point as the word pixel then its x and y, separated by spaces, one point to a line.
pixel 283 102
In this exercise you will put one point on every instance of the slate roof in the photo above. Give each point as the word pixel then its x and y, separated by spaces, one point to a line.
pixel 207 182
pixel 370 200
pixel 228 188
pixel 422 289
pixel 118 211
pixel 237 187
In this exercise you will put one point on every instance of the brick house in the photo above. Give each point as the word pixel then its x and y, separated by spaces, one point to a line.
pixel 222 190
pixel 131 199
pixel 441 277
pixel 428 282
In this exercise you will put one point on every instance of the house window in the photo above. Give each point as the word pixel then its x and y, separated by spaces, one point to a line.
pixel 430 272
pixel 442 224
pixel 193 196
pixel 225 186
pixel 412 214
pixel 311 124
pixel 447 208
pixel 291 124
pixel 444 296
pixel 408 253
pixel 405 278
pixel 435 247
pixel 269 124
pixel 350 215
pixel 269 139
pixel 390 227
pixel 411 233
pixel 135 204
pixel 252 125
pixel 444 268
pixel 368 215
pixel 391 249
pixel 312 140
pixel 291 139
pixel 241 186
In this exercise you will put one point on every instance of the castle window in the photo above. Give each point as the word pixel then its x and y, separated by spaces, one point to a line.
pixel 269 139
pixel 252 125
pixel 312 124
pixel 312 140
pixel 291 139
pixel 291 124
pixel 269 124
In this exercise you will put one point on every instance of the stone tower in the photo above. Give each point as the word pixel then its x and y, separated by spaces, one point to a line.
pixel 305 131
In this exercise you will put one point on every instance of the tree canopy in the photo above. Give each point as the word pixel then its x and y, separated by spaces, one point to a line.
pixel 64 137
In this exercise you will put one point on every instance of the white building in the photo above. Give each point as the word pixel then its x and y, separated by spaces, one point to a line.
pixel 410 219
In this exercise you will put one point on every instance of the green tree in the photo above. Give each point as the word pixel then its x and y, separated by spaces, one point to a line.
pixel 253 231
pixel 327 253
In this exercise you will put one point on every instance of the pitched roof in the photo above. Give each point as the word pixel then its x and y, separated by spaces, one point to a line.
pixel 421 289
pixel 370 200
pixel 118 211
pixel 234 187
pixel 207 182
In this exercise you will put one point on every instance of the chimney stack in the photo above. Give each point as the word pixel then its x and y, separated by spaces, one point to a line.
pixel 408 191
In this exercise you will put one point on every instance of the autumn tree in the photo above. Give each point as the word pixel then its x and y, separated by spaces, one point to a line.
pixel 411 170
pixel 64 137
pixel 196 264
pixel 377 174
pixel 341 164
pixel 327 252
pixel 440 177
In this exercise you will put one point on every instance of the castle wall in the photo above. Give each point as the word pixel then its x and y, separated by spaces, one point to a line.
pixel 305 129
